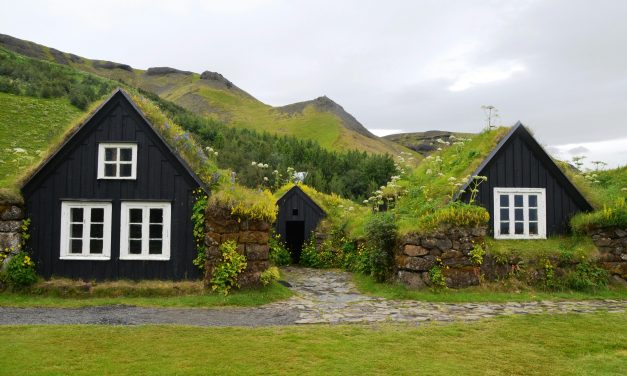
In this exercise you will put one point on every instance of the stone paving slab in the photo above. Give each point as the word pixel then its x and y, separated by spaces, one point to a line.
pixel 322 297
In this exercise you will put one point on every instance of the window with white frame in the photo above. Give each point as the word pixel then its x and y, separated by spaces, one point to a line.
pixel 145 232
pixel 519 213
pixel 117 161
pixel 85 231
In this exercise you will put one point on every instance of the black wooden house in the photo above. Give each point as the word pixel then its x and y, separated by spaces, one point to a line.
pixel 527 195
pixel 114 201
pixel 297 218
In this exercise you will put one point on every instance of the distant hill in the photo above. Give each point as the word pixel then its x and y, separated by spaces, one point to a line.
pixel 425 142
pixel 211 94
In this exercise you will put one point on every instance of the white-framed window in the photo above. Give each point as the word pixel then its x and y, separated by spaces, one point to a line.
pixel 117 161
pixel 145 231
pixel 85 230
pixel 519 213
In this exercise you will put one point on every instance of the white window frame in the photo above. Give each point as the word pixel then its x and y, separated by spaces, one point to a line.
pixel 118 146
pixel 525 192
pixel 124 230
pixel 66 207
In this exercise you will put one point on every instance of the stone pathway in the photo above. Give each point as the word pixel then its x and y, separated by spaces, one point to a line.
pixel 322 296
pixel 330 297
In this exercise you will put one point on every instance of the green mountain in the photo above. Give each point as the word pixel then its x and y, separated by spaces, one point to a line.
pixel 212 95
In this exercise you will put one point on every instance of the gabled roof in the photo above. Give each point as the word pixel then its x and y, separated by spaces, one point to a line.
pixel 298 191
pixel 83 129
pixel 519 130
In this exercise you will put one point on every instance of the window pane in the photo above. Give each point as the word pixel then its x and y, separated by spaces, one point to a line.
pixel 136 215
pixel 125 170
pixel 154 247
pixel 110 169
pixel 505 214
pixel 76 215
pixel 76 231
pixel 126 154
pixel 156 215
pixel 504 201
pixel 518 214
pixel 519 228
pixel 533 228
pixel 504 228
pixel 156 231
pixel 135 247
pixel 96 231
pixel 533 201
pixel 533 214
pixel 97 215
pixel 135 232
pixel 111 154
pixel 76 246
pixel 518 201
pixel 95 246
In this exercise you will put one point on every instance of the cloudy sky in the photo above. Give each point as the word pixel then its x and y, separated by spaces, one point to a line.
pixel 560 67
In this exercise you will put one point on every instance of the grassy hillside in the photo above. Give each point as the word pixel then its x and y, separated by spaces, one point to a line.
pixel 213 95
pixel 42 100
pixel 28 126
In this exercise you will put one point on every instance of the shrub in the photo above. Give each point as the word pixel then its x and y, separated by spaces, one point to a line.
pixel 609 216
pixel 477 253
pixel 309 255
pixel 436 276
pixel 279 254
pixel 226 271
pixel 198 231
pixel 586 277
pixel 270 275
pixel 381 237
pixel 20 270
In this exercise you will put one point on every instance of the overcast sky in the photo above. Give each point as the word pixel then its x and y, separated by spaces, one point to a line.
pixel 560 67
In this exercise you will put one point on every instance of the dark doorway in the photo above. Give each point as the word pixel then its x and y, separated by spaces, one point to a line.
pixel 295 237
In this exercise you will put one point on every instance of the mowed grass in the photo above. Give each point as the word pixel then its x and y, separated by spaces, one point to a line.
pixel 516 345
pixel 28 126
pixel 147 298
pixel 489 292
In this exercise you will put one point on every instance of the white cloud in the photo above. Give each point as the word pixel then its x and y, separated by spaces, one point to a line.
pixel 612 152
pixel 484 75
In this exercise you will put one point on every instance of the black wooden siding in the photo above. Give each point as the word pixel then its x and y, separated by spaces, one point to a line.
pixel 522 163
pixel 308 211
pixel 71 175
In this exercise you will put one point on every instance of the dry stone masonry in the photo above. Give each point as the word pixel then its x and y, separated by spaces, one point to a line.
pixel 450 248
pixel 11 217
pixel 250 235
pixel 612 246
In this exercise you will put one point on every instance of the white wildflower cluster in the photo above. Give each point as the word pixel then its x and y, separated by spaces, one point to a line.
pixel 386 194
pixel 259 164
pixel 210 151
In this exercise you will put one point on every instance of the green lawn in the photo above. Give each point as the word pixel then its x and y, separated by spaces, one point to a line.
pixel 488 293
pixel 516 345
pixel 255 297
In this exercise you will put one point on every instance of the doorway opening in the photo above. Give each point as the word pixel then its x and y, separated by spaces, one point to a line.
pixel 295 238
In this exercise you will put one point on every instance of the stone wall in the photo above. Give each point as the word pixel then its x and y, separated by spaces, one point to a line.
pixel 11 217
pixel 417 254
pixel 252 241
pixel 612 246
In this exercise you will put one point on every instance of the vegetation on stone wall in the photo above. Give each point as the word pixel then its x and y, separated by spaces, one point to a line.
pixel 245 203
pixel 225 272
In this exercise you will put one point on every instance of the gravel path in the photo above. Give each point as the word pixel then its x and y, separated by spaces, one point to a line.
pixel 322 296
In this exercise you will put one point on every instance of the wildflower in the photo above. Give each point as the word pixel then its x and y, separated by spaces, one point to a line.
pixel 253 163
pixel 365 201
pixel 265 178
pixel 429 172
pixel 215 153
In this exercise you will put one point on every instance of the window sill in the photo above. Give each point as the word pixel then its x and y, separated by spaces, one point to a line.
pixel 128 178
pixel 144 258
pixel 520 237
pixel 86 258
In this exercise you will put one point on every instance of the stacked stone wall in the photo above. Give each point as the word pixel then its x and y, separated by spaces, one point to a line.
pixel 251 238
pixel 11 217
pixel 450 248
pixel 612 246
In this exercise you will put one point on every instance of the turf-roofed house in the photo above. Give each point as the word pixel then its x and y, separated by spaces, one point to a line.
pixel 114 201
pixel 297 219
pixel 527 195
